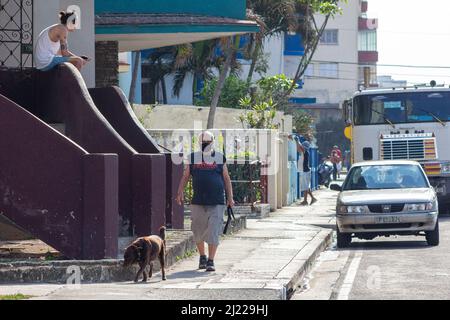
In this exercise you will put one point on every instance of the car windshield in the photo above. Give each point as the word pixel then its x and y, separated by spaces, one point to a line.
pixel 411 107
pixel 376 177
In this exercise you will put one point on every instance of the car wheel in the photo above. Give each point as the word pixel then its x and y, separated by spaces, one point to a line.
pixel 343 239
pixel 433 236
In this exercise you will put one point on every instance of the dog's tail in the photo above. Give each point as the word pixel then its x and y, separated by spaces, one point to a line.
pixel 162 233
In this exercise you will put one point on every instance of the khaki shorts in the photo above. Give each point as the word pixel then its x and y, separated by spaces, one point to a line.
pixel 207 223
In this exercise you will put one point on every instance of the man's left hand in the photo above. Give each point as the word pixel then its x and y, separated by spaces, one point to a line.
pixel 230 203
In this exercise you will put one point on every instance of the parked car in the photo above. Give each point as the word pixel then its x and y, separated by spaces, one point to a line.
pixel 384 198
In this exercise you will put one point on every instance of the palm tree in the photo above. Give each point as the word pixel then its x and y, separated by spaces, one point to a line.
pixel 198 59
pixel 160 64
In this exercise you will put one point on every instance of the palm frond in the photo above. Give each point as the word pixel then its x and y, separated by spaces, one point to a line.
pixel 184 54
pixel 178 81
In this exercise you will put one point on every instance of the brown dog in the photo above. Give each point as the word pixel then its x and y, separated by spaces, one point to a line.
pixel 144 250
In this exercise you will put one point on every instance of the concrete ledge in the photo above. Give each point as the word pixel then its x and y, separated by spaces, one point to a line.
pixel 296 270
pixel 260 211
pixel 179 245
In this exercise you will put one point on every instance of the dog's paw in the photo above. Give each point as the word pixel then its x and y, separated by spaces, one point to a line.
pixel 164 279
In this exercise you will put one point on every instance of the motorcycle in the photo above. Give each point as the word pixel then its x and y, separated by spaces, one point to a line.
pixel 325 171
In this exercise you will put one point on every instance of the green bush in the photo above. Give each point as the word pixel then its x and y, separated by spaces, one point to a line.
pixel 233 90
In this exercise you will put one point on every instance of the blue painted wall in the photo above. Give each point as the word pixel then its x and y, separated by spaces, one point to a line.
pixel 125 81
pixel 221 8
pixel 293 45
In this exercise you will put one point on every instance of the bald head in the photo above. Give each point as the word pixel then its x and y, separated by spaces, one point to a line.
pixel 206 140
pixel 206 136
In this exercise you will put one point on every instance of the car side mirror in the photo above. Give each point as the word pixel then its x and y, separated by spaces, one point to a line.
pixel 336 187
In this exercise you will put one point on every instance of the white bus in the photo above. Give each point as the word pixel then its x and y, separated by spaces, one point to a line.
pixel 404 123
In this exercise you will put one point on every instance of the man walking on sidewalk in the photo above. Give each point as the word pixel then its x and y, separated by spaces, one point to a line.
pixel 210 180
pixel 336 159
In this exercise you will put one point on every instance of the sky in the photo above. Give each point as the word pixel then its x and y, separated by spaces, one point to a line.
pixel 413 32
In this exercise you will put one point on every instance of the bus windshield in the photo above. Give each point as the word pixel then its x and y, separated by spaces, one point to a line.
pixel 406 107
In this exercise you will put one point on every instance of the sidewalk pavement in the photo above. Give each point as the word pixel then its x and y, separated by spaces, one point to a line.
pixel 265 261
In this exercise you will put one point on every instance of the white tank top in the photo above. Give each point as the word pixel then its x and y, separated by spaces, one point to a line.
pixel 46 49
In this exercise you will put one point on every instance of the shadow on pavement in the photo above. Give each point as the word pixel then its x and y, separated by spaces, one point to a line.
pixel 388 245
pixel 191 274
pixel 325 226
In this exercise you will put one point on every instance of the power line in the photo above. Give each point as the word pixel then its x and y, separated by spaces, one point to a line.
pixel 383 65
pixel 330 78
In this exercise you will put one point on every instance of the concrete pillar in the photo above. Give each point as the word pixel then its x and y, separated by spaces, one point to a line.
pixel 106 64
pixel 174 212
pixel 149 193
pixel 101 206
pixel 284 169
pixel 280 173
pixel 272 192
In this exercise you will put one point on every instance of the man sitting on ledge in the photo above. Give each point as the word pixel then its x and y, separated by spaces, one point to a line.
pixel 52 48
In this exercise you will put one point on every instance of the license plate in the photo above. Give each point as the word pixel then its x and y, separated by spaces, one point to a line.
pixel 386 220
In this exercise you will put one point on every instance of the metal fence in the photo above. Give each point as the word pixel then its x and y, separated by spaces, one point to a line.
pixel 246 152
pixel 16 34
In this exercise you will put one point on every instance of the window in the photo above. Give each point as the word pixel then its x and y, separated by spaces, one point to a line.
pixel 367 40
pixel 402 108
pixel 329 37
pixel 377 177
pixel 328 70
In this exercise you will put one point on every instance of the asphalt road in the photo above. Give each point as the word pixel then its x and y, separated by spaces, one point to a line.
pixel 395 268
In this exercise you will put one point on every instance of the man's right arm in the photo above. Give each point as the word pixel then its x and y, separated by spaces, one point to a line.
pixel 300 147
pixel 183 183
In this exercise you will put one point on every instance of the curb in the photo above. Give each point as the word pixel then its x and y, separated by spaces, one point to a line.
pixel 313 249
pixel 103 271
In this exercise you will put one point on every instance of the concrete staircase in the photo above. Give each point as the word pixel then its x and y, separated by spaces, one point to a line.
pixel 10 231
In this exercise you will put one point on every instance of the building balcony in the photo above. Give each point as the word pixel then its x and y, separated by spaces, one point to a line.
pixel 367 24
pixel 368 56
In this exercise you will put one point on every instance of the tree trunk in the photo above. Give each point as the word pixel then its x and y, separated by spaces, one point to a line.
pixel 218 91
pixel 136 66
pixel 255 54
pixel 194 87
pixel 310 50
pixel 164 90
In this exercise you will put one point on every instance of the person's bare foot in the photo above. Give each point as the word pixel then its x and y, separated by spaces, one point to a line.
pixel 314 200
pixel 304 203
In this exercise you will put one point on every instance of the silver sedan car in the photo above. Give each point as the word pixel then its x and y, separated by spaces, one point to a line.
pixel 384 198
